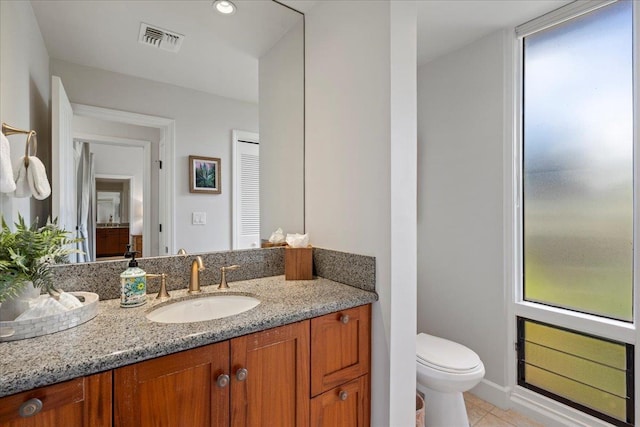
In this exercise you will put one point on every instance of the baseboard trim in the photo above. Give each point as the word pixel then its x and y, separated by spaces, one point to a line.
pixel 550 412
pixel 533 405
pixel 493 393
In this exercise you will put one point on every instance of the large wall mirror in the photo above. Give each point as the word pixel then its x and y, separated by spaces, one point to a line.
pixel 150 84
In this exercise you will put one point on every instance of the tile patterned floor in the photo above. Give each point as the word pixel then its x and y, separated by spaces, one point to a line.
pixel 484 414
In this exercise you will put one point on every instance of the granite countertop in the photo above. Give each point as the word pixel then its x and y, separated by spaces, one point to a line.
pixel 121 336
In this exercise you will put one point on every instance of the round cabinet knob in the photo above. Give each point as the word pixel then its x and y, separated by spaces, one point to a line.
pixel 241 374
pixel 344 318
pixel 222 381
pixel 30 408
pixel 343 395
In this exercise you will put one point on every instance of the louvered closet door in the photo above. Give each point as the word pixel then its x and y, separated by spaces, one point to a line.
pixel 248 197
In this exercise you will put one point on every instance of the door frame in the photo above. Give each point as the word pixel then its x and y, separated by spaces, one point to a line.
pixel 166 152
pixel 129 178
pixel 146 177
pixel 237 136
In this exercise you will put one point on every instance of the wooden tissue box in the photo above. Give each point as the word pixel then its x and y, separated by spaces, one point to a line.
pixel 298 263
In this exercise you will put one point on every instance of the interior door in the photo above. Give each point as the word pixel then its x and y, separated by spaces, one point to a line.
pixel 63 182
pixel 246 191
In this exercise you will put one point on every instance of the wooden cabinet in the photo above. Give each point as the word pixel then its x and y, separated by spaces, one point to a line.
pixel 276 389
pixel 267 384
pixel 345 405
pixel 310 373
pixel 340 363
pixel 136 240
pixel 80 402
pixel 111 241
pixel 340 348
pixel 186 388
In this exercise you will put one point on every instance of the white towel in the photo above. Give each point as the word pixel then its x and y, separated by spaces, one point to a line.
pixel 37 178
pixel 7 185
pixel 31 180
pixel 20 179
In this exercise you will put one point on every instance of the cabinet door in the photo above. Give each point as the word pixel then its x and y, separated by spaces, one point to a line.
pixel 101 242
pixel 345 406
pixel 176 390
pixel 340 348
pixel 276 389
pixel 112 242
pixel 80 402
pixel 124 239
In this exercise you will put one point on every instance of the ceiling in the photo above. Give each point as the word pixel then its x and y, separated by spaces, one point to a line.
pixel 219 53
pixel 447 25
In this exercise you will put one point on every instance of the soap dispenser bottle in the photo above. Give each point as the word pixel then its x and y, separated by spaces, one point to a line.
pixel 133 283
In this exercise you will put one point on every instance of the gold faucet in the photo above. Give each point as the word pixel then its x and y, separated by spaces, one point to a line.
pixel 194 280
pixel 223 279
pixel 163 295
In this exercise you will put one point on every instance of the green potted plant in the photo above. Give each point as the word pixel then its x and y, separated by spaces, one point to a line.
pixel 27 254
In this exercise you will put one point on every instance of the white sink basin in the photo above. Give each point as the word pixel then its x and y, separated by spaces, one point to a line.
pixel 204 308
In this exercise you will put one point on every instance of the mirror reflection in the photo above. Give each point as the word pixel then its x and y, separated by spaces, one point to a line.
pixel 139 86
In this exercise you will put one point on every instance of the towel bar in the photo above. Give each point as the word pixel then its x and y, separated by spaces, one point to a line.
pixel 31 147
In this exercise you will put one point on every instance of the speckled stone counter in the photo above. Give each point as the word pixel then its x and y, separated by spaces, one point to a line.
pixel 118 336
pixel 103 277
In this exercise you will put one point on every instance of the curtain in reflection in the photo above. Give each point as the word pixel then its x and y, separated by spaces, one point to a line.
pixel 86 223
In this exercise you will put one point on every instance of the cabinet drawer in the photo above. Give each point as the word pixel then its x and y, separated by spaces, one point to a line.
pixel 346 405
pixel 340 348
pixel 80 402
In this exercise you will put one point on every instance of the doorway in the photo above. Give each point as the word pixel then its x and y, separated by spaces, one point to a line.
pixel 63 134
pixel 123 195
pixel 116 217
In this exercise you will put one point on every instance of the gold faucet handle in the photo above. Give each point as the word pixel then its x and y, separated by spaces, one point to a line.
pixel 163 294
pixel 223 278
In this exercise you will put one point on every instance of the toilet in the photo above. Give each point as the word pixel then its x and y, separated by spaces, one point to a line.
pixel 445 369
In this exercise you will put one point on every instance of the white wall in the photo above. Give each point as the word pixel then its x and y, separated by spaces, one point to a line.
pixel 404 145
pixel 350 139
pixel 461 285
pixel 281 106
pixel 203 127
pixel 24 97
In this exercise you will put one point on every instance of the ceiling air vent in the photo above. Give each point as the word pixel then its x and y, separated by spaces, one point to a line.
pixel 159 38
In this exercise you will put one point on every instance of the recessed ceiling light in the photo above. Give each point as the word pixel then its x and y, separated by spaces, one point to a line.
pixel 224 7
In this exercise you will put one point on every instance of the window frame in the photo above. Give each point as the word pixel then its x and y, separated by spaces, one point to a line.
pixel 611 329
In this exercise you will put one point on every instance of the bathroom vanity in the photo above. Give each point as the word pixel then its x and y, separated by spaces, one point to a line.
pixel 112 240
pixel 300 358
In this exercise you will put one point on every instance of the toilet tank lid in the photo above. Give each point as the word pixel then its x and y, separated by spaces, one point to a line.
pixel 444 353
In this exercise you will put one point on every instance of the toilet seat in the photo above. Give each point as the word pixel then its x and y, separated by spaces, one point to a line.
pixel 444 355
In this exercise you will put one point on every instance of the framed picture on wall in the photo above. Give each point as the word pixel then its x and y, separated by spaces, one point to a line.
pixel 204 175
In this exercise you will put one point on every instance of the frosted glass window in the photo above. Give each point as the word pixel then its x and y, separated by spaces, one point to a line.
pixel 578 164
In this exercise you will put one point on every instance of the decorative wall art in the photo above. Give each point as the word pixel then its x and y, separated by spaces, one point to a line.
pixel 204 175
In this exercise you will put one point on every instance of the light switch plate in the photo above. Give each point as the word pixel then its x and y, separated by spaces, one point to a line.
pixel 198 218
